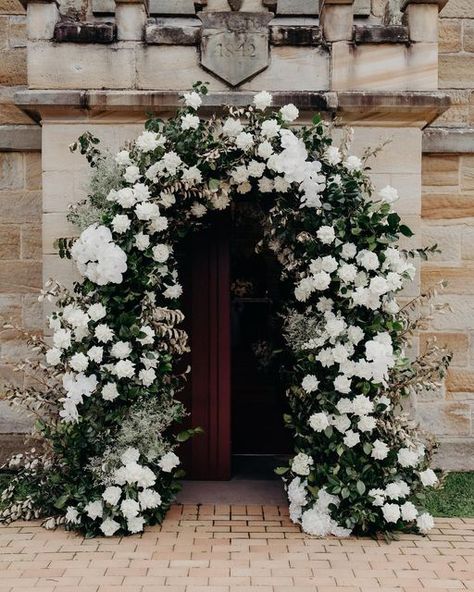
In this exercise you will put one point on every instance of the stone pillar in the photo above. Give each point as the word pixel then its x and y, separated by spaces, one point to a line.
pixel 42 16
pixel 130 17
pixel 336 18
pixel 421 16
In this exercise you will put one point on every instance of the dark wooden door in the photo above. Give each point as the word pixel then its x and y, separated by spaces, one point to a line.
pixel 208 393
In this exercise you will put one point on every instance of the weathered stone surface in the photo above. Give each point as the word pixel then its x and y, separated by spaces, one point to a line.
pixel 32 312
pixel 448 207
pixel 422 22
pixel 20 206
pixel 455 455
pixel 458 9
pixel 460 381
pixel 450 35
pixel 11 7
pixel 18 277
pixel 17 32
pixel 20 137
pixel 130 19
pixel 442 170
pixel 162 34
pixel 71 32
pixel 445 140
pixel 234 46
pixel 42 19
pixel 70 65
pixel 459 280
pixel 445 418
pixel 456 343
pixel 298 7
pixel 448 239
pixel 336 20
pixel 468 36
pixel 13 67
pixel 9 241
pixel 31 242
pixel 456 71
pixel 467 172
pixel 12 421
pixel 32 170
pixel 52 223
pixel 458 114
pixel 105 7
pixel 467 243
pixel 380 34
pixel 295 35
pixel 11 170
pixel 181 7
pixel 10 309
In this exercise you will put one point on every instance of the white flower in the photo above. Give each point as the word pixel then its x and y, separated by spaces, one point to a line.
pixel 103 333
pixel 141 192
pixel 147 210
pixel 355 334
pixel 310 383
pixel 193 100
pixel 109 527
pixel 121 223
pixel 79 362
pixel 391 512
pixel 161 253
pixel 168 462
pixel 265 185
pixel 149 141
pixel 149 335
pixel 362 405
pixel 378 495
pixel 121 349
pixel 129 508
pixel 232 127
pixel 158 224
pixel 111 495
pixel 142 241
pixel 326 234
pixel 349 251
pixel 135 524
pixel 95 354
pixel 189 121
pixel 244 140
pixel 342 384
pixel 72 515
pixel 301 464
pixel 132 174
pixel 262 100
pixel 125 197
pixel 407 458
pixel 425 522
pixel 318 422
pixel 172 162
pixel 351 438
pixel 255 168
pixel 347 272
pixel 396 490
pixel 147 376
pixel 297 491
pixel 174 291
pixel 53 356
pixel 198 210
pixel 408 511
pixel 281 184
pixel 94 509
pixel 97 311
pixel 131 455
pixel 344 405
pixel 289 112
pixel 379 285
pixel 124 369
pixel 342 423
pixel 109 391
pixel 265 150
pixel 353 163
pixel 123 158
pixel 368 260
pixel 428 478
pixel 332 155
pixel 270 128
pixel 149 499
pixel 388 194
pixel 192 176
pixel 320 281
pixel 62 338
pixel 380 450
pixel 366 423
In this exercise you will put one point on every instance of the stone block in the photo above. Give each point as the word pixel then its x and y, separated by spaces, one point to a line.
pixel 12 115
pixel 409 192
pixel 103 7
pixel 422 22
pixel 19 207
pixel 19 138
pixel 459 280
pixel 17 33
pixel 71 32
pixel 380 34
pixel 446 140
pixel 452 419
pixel 458 114
pixel 13 421
pixel 41 20
pixel 455 455
pixel 298 7
pixel 458 9
pixel 4 27
pixel 13 67
pixel 456 343
pixel 63 270
pixel 11 7
pixel 130 19
pixel 449 38
pixel 31 243
pixel 32 313
pixel 32 170
pixel 440 170
pixel 467 243
pixel 164 7
pixel 336 20
pixel 447 206
pixel 295 35
pixel 456 71
pixel 460 381
pixel 71 65
pixel 467 173
pixel 468 36
pixel 223 6
pixel 162 34
pixel 448 239
pixel 9 242
pixel 11 170
pixel 460 317
pixel 56 226
pixel 20 277
pixel 10 309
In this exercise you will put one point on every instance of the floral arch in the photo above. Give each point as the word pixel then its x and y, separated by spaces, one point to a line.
pixel 108 463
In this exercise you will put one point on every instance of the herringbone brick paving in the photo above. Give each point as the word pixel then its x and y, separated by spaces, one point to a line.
pixel 234 548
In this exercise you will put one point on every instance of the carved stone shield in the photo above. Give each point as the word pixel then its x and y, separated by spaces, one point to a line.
pixel 235 45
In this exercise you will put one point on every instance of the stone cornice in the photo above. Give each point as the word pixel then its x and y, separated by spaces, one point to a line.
pixel 395 109
pixel 20 138
pixel 448 140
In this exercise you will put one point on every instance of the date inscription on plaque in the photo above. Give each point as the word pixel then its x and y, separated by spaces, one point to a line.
pixel 235 45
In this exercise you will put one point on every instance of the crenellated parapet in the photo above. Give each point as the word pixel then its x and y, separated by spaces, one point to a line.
pixel 165 45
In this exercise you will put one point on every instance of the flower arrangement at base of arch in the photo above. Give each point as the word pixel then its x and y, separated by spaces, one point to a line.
pixel 108 462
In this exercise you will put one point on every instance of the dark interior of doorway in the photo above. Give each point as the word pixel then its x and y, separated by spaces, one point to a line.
pixel 260 441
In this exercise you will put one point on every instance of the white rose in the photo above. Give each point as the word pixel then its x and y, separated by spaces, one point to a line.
pixel 332 155
pixel 109 391
pixel 109 527
pixel 129 508
pixel 111 495
pixel 95 354
pixel 368 260
pixel 265 150
pixel 122 158
pixel 198 210
pixel 262 100
pixel 192 99
pixel 103 333
pixel 121 223
pixel 388 194
pixel 72 515
pixel 135 524
pixel 147 211
pixel 53 356
pixel 351 438
pixel 232 127
pixel 121 349
pixel 158 224
pixel 132 174
pixel 270 128
pixel 148 141
pixel 192 175
pixel 79 362
pixel 342 384
pixel 289 112
pixel 380 450
pixel 367 423
pixel 349 251
pixel 125 197
pixel 353 163
pixel 342 423
pixel 391 512
pixel 97 311
pixel 168 462
pixel 407 458
pixel 149 499
pixel 174 291
pixel 310 383
pixel 326 234
pixel 244 140
pixel 428 478
pixel 189 121
pixel 255 168
pixel 62 339
pixel 142 241
pixel 161 253
pixel 124 369
pixel 408 511
pixel 147 377
pixel 301 464
pixel 318 422
pixel 425 522
pixel 94 509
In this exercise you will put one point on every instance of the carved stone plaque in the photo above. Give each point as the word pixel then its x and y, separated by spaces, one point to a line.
pixel 235 45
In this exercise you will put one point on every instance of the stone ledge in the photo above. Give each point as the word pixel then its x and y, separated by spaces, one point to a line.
pixel 72 32
pixel 414 109
pixel 380 34
pixel 308 35
pixel 448 140
pixel 161 33
pixel 455 454
pixel 20 138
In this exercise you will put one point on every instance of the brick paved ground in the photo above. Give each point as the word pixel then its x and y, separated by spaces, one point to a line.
pixel 234 549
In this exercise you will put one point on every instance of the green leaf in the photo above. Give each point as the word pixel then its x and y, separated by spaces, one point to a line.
pixel 282 470
pixel 406 231
pixel 61 501
pixel 360 486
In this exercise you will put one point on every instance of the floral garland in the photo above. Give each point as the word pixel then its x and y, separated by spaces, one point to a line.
pixel 109 464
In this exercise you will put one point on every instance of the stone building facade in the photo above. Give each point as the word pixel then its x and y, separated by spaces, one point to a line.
pixel 394 69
